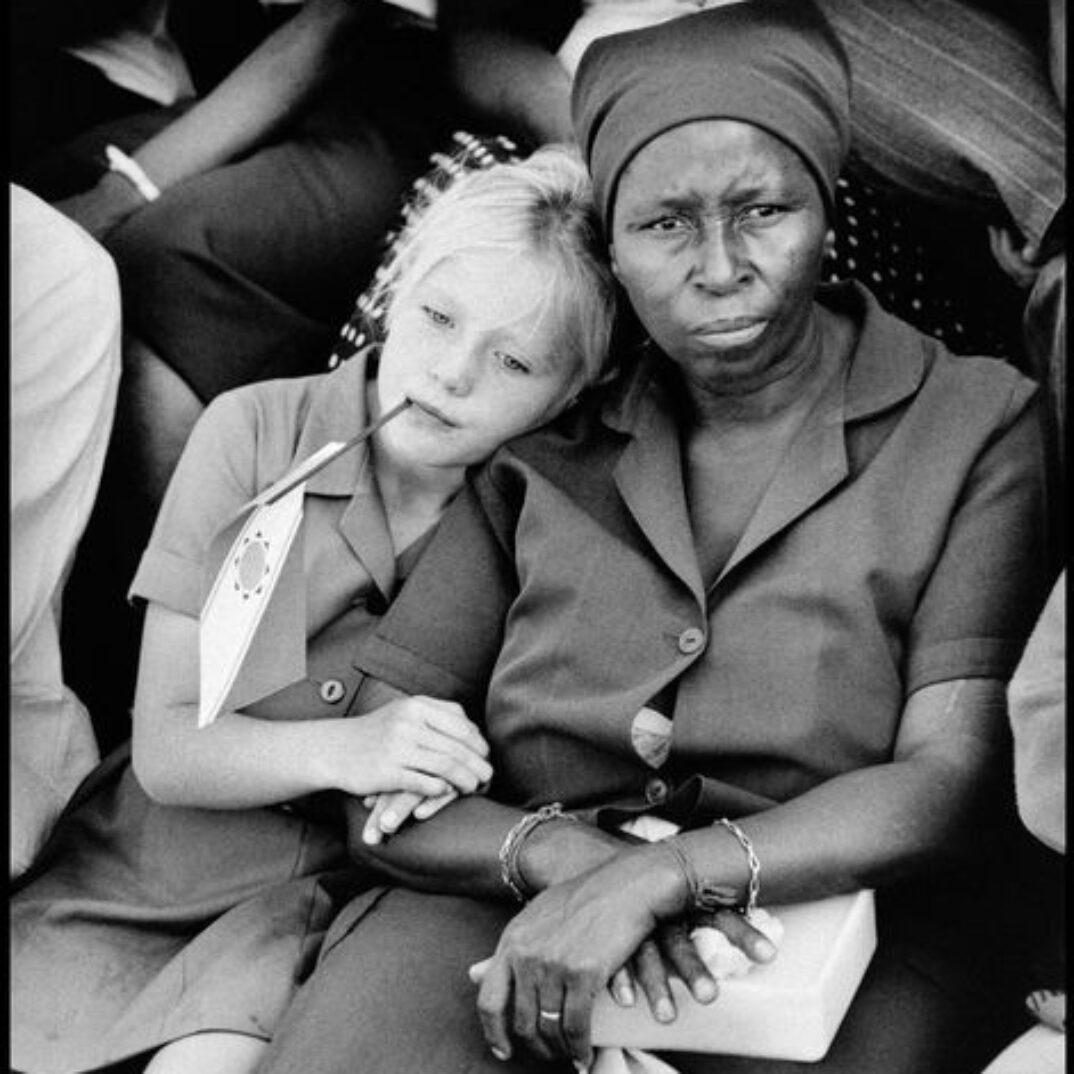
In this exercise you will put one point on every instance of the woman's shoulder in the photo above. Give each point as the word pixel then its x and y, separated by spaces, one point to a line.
pixel 889 347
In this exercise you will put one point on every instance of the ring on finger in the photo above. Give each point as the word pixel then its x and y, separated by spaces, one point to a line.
pixel 550 1016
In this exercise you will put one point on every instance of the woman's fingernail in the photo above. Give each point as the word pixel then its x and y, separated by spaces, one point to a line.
pixel 500 1054
pixel 665 1012
pixel 705 990
pixel 765 949
pixel 624 996
pixel 389 821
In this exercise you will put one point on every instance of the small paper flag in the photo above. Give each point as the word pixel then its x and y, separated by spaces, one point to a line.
pixel 240 597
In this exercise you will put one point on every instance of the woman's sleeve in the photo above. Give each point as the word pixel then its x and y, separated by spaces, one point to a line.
pixel 444 630
pixel 991 575
pixel 214 478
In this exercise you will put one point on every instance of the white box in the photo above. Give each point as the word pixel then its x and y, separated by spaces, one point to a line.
pixel 789 1008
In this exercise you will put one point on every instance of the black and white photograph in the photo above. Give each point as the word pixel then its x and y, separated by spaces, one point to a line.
pixel 537 536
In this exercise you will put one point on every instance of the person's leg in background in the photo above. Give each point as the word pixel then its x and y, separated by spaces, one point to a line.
pixel 65 364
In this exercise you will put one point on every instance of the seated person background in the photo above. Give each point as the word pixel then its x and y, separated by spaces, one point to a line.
pixel 776 576
pixel 64 370
pixel 1037 701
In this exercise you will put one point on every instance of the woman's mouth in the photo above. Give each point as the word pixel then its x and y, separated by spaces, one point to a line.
pixel 732 332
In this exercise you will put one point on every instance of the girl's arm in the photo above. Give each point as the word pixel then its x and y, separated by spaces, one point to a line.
pixel 266 90
pixel 238 762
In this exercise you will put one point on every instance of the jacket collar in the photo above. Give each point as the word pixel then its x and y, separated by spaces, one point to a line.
pixel 887 365
pixel 337 411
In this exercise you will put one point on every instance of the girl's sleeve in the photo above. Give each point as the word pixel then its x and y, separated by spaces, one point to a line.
pixel 214 478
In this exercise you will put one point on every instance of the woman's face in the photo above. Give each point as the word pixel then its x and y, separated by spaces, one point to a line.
pixel 718 239
pixel 473 346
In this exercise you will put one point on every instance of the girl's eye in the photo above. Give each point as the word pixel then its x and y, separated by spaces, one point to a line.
pixel 667 224
pixel 511 363
pixel 438 317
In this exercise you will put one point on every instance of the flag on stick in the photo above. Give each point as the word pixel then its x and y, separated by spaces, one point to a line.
pixel 252 632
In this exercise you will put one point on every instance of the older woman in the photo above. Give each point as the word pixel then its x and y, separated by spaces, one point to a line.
pixel 774 579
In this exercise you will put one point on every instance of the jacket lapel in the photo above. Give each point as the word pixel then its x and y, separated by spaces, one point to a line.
pixel 650 480
pixel 886 367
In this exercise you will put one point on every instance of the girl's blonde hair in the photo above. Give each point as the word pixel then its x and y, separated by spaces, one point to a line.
pixel 542 205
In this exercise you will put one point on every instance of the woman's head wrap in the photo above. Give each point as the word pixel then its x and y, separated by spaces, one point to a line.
pixel 774 63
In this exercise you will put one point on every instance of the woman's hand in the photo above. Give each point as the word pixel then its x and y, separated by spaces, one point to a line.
pixel 103 207
pixel 672 950
pixel 418 744
pixel 615 924
pixel 562 949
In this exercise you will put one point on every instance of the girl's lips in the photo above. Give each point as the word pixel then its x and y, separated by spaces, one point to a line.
pixel 432 412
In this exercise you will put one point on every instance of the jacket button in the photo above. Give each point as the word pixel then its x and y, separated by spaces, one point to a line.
pixel 376 603
pixel 690 640
pixel 656 791
pixel 332 691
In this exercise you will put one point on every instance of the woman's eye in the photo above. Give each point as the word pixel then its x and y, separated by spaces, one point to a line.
pixel 763 212
pixel 511 363
pixel 438 317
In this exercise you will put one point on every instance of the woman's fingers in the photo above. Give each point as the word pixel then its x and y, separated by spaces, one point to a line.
pixel 622 988
pixel 493 1004
pixel 577 1020
pixel 682 957
pixel 652 976
pixel 737 928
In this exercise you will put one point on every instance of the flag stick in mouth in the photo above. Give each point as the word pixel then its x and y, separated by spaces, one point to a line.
pixel 369 430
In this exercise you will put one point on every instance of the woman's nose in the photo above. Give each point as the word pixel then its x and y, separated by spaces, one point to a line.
pixel 720 263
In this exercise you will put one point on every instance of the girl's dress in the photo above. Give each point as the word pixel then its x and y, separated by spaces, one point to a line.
pixel 144 923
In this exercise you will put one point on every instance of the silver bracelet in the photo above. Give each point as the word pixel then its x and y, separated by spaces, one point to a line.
pixel 753 890
pixel 132 171
pixel 512 843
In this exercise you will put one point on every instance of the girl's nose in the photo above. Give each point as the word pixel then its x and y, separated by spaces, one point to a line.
pixel 454 369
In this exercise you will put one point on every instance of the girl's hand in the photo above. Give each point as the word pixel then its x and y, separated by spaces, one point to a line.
pixel 390 810
pixel 417 744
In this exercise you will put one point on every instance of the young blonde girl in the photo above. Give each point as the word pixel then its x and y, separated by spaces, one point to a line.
pixel 189 887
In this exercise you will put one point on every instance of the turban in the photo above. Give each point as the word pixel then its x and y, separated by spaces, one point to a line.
pixel 774 63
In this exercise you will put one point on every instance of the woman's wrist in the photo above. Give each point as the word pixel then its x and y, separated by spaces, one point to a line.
pixel 560 849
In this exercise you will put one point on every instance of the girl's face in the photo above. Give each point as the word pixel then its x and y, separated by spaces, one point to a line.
pixel 471 345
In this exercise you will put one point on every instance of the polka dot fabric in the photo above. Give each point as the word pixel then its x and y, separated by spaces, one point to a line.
pixel 931 267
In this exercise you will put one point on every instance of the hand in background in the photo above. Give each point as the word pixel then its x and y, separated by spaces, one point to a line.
pixel 103 207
